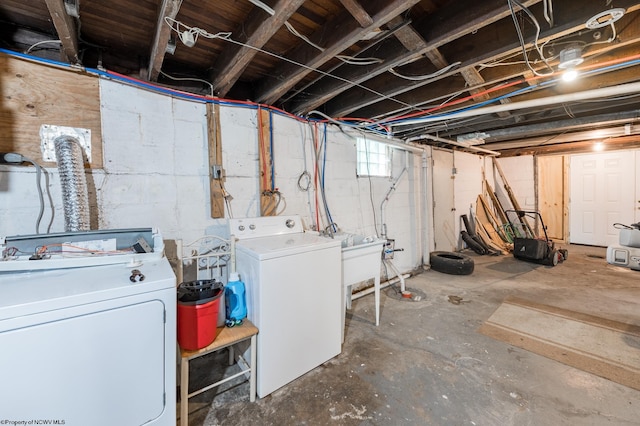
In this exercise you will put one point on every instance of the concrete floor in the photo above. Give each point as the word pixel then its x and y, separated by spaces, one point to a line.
pixel 427 364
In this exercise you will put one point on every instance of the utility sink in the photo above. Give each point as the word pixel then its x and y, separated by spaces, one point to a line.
pixel 361 261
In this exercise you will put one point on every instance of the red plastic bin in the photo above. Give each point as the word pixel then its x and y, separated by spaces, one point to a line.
pixel 197 322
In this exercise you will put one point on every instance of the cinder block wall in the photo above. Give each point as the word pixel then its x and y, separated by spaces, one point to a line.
pixel 155 173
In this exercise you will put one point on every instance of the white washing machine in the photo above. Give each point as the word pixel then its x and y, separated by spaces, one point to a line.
pixel 89 345
pixel 293 283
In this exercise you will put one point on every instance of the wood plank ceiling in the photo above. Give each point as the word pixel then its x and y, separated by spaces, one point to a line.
pixel 427 70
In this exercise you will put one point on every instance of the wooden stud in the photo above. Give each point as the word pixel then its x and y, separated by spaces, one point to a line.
pixel 267 199
pixel 216 184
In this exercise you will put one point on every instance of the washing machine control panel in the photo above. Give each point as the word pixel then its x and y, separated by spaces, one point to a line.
pixel 254 227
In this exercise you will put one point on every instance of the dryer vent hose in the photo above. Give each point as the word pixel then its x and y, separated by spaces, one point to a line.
pixel 75 196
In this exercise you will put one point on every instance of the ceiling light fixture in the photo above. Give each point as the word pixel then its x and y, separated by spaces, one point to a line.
pixel 605 18
pixel 598 146
pixel 570 58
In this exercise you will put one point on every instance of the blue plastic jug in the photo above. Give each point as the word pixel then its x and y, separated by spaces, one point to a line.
pixel 235 300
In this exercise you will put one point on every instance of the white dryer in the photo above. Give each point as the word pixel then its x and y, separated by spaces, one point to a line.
pixel 89 345
pixel 293 282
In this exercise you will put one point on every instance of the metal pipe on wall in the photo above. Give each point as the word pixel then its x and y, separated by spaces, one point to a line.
pixel 383 224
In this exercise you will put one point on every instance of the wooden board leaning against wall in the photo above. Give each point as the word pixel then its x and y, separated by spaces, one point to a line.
pixel 33 94
pixel 552 195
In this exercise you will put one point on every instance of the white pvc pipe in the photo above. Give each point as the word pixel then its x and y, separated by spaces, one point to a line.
pixel 456 143
pixel 398 274
pixel 385 284
pixel 622 89
pixel 383 225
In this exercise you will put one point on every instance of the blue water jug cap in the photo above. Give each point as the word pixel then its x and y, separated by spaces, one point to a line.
pixel 233 276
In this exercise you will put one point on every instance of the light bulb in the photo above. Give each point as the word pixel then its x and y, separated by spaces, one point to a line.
pixel 598 146
pixel 570 75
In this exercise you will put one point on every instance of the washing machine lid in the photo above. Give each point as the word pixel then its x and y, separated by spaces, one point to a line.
pixel 274 246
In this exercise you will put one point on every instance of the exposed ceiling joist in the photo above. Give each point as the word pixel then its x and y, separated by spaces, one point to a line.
pixel 256 32
pixel 336 36
pixel 162 35
pixel 358 12
pixel 66 29
pixel 492 50
pixel 436 58
pixel 440 29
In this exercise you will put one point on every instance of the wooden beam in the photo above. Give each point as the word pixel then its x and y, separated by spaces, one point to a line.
pixel 480 53
pixel 255 31
pixel 216 184
pixel 66 29
pixel 624 142
pixel 358 12
pixel 268 201
pixel 335 37
pixel 440 31
pixel 162 34
pixel 410 38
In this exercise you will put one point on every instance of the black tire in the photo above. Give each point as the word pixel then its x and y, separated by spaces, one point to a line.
pixel 472 243
pixel 451 263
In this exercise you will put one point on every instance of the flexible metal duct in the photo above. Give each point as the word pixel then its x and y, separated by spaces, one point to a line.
pixel 75 196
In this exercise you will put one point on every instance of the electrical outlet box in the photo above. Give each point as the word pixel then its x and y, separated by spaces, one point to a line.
pixel 217 172
pixel 49 133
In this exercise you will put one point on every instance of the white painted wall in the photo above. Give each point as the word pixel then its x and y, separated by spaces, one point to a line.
pixel 520 175
pixel 468 185
pixel 156 174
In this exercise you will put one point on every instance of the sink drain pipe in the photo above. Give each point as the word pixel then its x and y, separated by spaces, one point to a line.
pixel 369 290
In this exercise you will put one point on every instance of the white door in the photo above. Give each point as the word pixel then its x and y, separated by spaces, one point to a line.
pixel 602 193
pixel 443 202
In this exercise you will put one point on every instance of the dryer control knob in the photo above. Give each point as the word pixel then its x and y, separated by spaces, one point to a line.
pixel 290 223
pixel 241 227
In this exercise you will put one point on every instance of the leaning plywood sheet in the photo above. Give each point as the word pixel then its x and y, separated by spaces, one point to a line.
pixel 32 95
pixel 482 233
pixel 486 223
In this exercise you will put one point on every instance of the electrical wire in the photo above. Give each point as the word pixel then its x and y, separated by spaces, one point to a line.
pixel 189 35
pixel 521 37
pixel 190 79
pixel 40 43
pixel 613 64
pixel 315 174
pixel 227 37
pixel 331 225
pixel 426 76
pixel 630 61
pixel 304 176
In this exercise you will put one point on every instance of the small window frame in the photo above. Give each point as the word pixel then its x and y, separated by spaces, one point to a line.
pixel 373 158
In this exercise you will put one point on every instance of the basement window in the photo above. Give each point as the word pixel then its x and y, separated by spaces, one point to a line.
pixel 374 158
